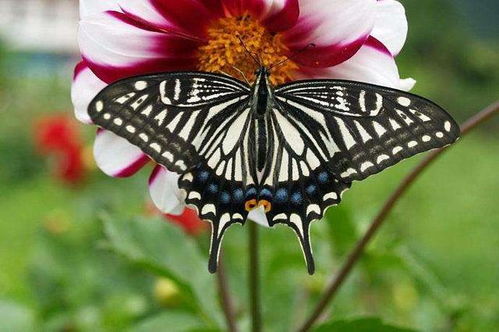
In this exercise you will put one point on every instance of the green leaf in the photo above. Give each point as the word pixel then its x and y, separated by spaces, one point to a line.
pixel 342 229
pixel 166 250
pixel 359 325
pixel 423 273
pixel 174 321
pixel 16 317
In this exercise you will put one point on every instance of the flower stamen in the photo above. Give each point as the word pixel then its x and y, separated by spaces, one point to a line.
pixel 225 53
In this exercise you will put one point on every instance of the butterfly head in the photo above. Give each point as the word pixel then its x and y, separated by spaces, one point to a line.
pixel 262 72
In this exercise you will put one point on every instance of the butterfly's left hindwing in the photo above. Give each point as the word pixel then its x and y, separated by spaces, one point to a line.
pixel 193 124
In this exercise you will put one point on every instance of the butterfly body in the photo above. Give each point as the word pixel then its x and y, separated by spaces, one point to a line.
pixel 261 107
pixel 290 150
pixel 262 93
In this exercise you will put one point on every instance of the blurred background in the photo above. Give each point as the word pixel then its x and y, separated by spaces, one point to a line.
pixel 83 252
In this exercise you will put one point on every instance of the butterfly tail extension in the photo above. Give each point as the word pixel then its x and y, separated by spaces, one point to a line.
pixel 306 247
pixel 215 242
pixel 218 228
pixel 216 201
pixel 330 193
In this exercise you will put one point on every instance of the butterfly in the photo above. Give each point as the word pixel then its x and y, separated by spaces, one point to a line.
pixel 291 150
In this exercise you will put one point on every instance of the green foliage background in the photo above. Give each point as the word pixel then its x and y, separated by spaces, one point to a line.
pixel 433 267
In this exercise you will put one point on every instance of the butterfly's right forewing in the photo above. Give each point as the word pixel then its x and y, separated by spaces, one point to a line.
pixel 367 128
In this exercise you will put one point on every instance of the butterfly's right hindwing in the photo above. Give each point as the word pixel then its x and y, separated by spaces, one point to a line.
pixel 330 133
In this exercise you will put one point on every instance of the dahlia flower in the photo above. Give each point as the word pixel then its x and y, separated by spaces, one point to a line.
pixel 354 40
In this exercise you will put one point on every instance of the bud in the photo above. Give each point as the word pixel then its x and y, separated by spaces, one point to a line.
pixel 167 292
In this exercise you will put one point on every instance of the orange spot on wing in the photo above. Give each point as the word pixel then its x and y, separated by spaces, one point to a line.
pixel 250 205
pixel 267 206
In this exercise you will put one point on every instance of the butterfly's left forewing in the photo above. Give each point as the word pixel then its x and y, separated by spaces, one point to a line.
pixel 170 116
pixel 330 133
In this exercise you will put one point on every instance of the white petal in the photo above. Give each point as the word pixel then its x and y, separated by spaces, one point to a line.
pixel 108 40
pixel 280 15
pixel 258 215
pixel 406 84
pixel 391 25
pixel 373 64
pixel 164 191
pixel 271 7
pixel 145 10
pixel 115 156
pixel 91 7
pixel 333 22
pixel 84 88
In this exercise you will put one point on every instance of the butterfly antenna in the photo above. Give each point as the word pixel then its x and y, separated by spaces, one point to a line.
pixel 292 56
pixel 251 54
pixel 242 74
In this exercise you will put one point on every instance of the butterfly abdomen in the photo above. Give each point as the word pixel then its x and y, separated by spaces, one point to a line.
pixel 262 147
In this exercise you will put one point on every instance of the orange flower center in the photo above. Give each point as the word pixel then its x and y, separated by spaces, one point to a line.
pixel 224 52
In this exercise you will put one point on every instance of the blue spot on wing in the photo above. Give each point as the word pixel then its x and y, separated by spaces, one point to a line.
pixel 266 193
pixel 238 195
pixel 213 188
pixel 251 192
pixel 225 197
pixel 203 176
pixel 323 177
pixel 311 189
pixel 296 198
pixel 281 195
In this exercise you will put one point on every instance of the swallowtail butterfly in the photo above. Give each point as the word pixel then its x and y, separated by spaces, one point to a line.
pixel 292 150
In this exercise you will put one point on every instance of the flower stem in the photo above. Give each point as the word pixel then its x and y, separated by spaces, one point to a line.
pixel 254 275
pixel 353 257
pixel 226 300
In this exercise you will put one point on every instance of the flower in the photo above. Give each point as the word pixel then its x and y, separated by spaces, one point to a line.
pixel 57 135
pixel 188 220
pixel 354 39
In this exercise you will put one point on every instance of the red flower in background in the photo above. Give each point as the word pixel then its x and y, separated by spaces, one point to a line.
pixel 57 136
pixel 188 220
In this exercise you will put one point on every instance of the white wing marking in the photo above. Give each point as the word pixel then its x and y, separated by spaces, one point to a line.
pixel 363 133
pixel 184 133
pixel 234 132
pixel 290 133
pixel 283 172
pixel 173 124
pixel 345 134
